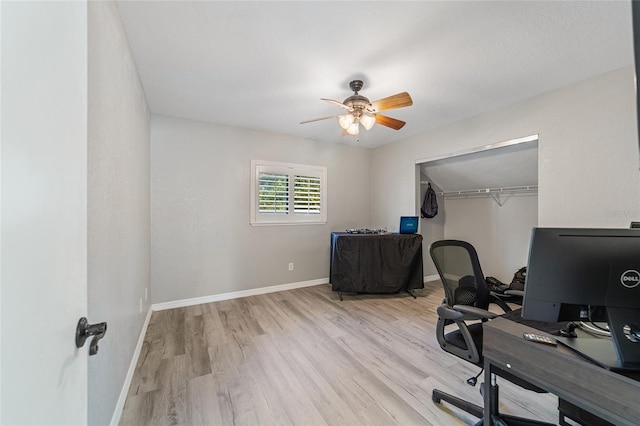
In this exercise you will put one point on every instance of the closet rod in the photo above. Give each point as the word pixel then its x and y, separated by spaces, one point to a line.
pixel 489 191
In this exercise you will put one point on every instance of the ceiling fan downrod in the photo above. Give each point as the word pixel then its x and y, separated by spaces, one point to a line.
pixel 356 85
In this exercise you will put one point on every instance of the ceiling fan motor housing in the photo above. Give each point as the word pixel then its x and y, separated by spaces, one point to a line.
pixel 357 102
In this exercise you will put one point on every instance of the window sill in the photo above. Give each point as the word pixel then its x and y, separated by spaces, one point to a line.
pixel 286 223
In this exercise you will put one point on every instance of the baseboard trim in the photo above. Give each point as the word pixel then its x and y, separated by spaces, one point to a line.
pixel 117 413
pixel 428 278
pixel 236 294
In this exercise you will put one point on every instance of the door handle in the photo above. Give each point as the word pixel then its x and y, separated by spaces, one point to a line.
pixel 84 330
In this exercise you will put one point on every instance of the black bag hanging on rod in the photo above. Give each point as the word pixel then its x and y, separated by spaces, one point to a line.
pixel 429 207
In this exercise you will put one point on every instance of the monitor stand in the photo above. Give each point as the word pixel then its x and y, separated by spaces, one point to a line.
pixel 625 334
pixel 622 351
pixel 599 351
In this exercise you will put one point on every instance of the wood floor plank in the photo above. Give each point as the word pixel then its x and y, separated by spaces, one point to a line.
pixel 244 399
pixel 202 401
pixel 139 409
pixel 174 333
pixel 338 372
pixel 285 383
pixel 173 375
pixel 303 357
pixel 270 407
pixel 333 409
pixel 148 366
pixel 195 345
pixel 397 408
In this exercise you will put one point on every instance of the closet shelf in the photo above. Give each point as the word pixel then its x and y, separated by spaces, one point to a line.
pixel 509 190
pixel 499 195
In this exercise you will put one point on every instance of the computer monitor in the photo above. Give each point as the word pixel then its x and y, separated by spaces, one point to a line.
pixel 588 274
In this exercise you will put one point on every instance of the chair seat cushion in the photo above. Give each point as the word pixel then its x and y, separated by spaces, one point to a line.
pixel 455 338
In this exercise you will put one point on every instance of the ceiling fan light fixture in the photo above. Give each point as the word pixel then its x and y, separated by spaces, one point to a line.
pixel 367 121
pixel 346 121
pixel 354 129
pixel 360 110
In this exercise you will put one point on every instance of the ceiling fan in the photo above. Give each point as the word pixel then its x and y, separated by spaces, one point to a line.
pixel 361 111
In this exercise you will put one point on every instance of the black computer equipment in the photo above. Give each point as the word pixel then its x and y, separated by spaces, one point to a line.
pixel 408 224
pixel 578 274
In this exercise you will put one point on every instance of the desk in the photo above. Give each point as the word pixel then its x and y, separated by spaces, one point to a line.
pixel 376 263
pixel 610 396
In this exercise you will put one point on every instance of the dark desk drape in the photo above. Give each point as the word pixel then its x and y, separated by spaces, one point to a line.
pixel 372 263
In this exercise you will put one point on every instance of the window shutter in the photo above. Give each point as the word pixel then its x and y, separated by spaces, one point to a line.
pixel 287 194
pixel 273 195
pixel 306 195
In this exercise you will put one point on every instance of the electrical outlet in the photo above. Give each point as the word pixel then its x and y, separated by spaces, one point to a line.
pixel 291 266
pixel 141 305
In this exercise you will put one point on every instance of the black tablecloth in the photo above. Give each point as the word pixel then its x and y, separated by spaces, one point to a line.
pixel 372 263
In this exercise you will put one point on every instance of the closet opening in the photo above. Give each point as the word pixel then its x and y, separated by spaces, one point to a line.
pixel 487 196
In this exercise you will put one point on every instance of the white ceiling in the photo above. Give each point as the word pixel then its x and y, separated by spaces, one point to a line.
pixel 265 65
pixel 510 166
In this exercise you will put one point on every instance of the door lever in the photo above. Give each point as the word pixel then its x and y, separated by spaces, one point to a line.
pixel 84 330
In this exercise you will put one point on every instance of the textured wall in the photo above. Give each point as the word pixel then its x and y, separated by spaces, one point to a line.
pixel 202 241
pixel 588 154
pixel 118 206
pixel 499 234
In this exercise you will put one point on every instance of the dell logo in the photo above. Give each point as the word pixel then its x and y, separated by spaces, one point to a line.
pixel 630 278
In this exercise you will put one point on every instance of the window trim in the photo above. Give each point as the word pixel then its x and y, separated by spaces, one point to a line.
pixel 290 218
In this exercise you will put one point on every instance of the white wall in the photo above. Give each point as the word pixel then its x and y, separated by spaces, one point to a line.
pixel 588 153
pixel 201 241
pixel 118 205
pixel 500 234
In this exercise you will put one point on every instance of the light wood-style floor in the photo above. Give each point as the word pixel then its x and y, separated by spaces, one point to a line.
pixel 303 357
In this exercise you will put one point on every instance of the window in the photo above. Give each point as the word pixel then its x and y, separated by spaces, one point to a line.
pixel 283 193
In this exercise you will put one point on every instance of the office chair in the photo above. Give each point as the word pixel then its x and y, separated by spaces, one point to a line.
pixel 466 304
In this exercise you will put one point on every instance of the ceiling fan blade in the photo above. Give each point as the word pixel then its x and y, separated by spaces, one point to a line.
pixel 318 119
pixel 340 104
pixel 393 123
pixel 399 100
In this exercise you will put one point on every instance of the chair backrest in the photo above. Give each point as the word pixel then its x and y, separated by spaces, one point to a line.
pixel 460 272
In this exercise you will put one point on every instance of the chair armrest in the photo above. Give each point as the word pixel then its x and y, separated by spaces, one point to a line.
pixel 501 301
pixel 476 312
pixel 518 293
pixel 445 312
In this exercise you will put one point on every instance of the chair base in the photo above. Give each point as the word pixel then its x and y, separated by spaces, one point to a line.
pixel 475 410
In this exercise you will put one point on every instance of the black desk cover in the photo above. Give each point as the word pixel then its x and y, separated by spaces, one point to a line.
pixel 372 263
